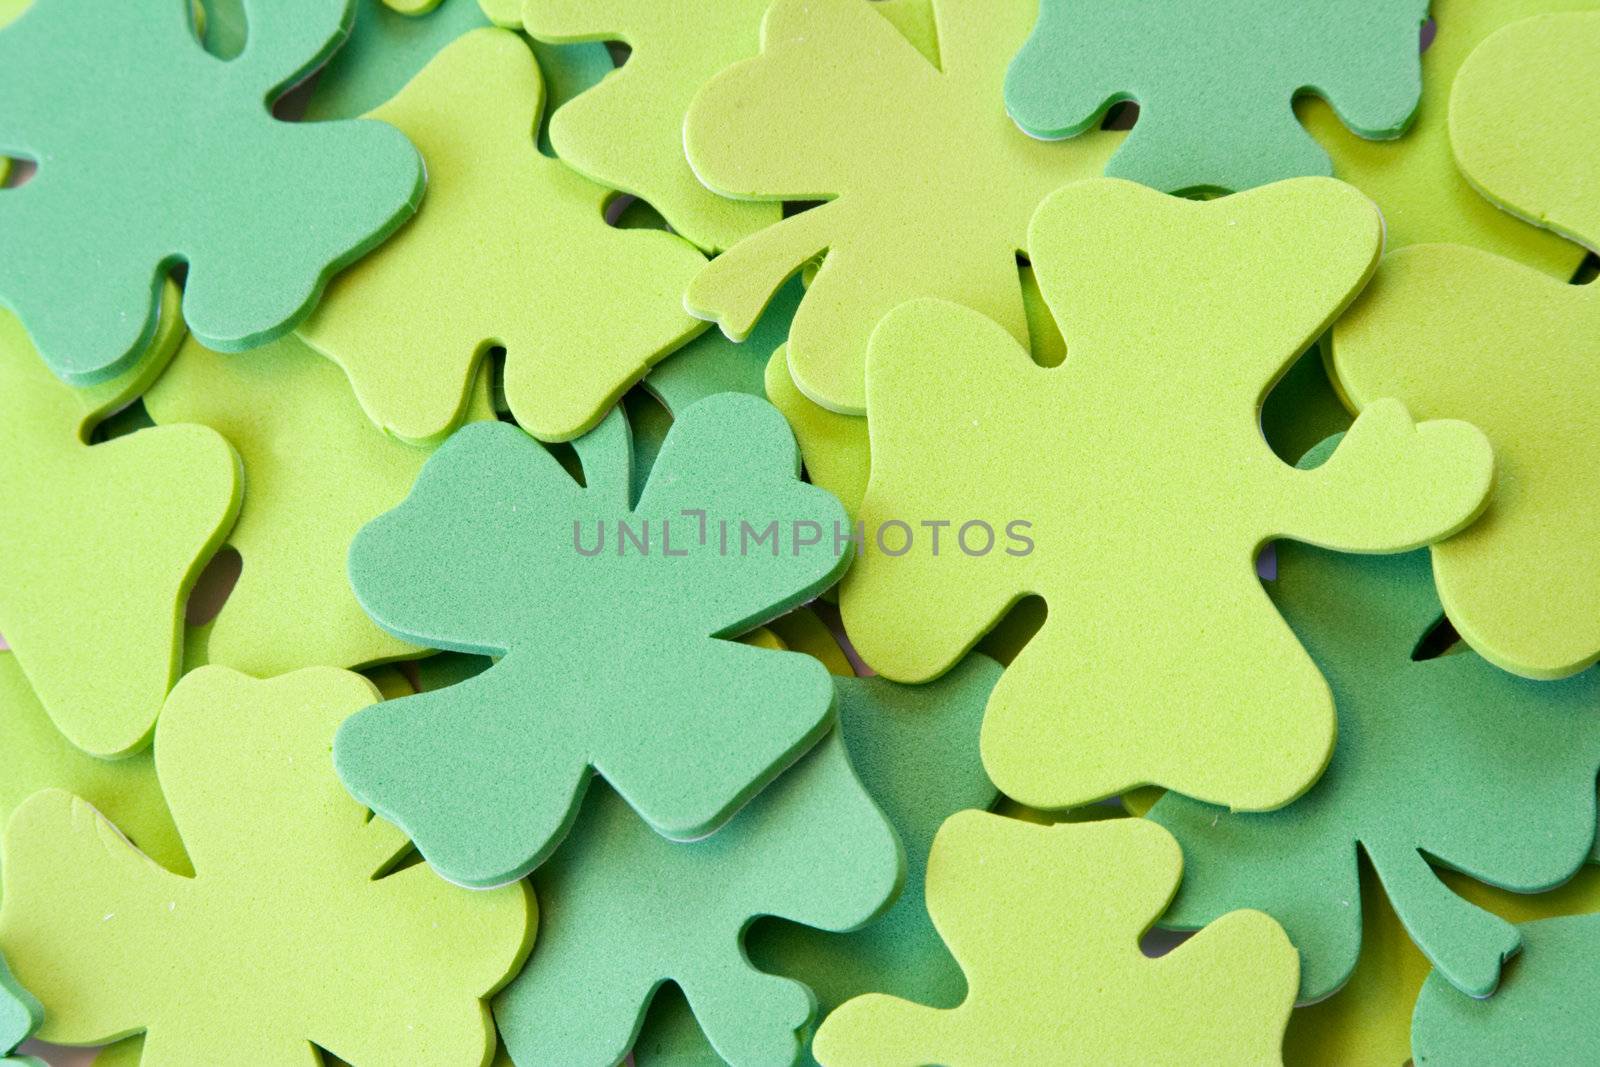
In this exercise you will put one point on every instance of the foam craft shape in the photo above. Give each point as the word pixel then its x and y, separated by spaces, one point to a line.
pixel 1544 1014
pixel 635 910
pixel 1424 197
pixel 1215 82
pixel 1045 922
pixel 1457 331
pixel 280 938
pixel 390 44
pixel 834 447
pixel 929 186
pixel 712 363
pixel 486 776
pixel 1151 422
pixel 1537 164
pixel 1369 1020
pixel 93 235
pixel 316 472
pixel 1448 758
pixel 627 132
pixel 915 751
pixel 581 309
pixel 100 543
pixel 38 757
pixel 20 1015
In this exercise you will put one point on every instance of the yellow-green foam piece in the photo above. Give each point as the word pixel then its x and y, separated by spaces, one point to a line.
pixel 39 757
pixel 1131 488
pixel 1525 122
pixel 834 446
pixel 511 249
pixel 291 921
pixel 627 132
pixel 1367 1023
pixel 1045 921
pixel 100 543
pixel 929 185
pixel 1455 331
pixel 316 471
pixel 1415 181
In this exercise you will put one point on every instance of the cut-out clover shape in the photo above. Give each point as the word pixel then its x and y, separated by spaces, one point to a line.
pixel 1449 757
pixel 627 132
pixel 1454 331
pixel 290 922
pixel 634 910
pixel 1215 81
pixel 1045 921
pixel 610 618
pixel 316 471
pixel 1131 489
pixel 511 249
pixel 20 1016
pixel 1416 183
pixel 1547 1012
pixel 929 186
pixel 99 544
pixel 153 152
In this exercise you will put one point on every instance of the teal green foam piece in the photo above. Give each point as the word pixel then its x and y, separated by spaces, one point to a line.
pixel 1450 758
pixel 20 1015
pixel 633 910
pixel 712 363
pixel 915 747
pixel 1548 1010
pixel 1215 81
pixel 388 48
pixel 154 152
pixel 484 557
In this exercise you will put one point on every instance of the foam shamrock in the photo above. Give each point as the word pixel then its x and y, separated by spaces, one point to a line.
pixel 390 44
pixel 581 309
pixel 1546 1013
pixel 634 910
pixel 39 757
pixel 1045 921
pixel 291 921
pixel 1448 757
pixel 1215 82
pixel 20 1015
pixel 99 544
pixel 662 908
pixel 1456 331
pixel 1130 487
pixel 317 471
pixel 106 98
pixel 929 185
pixel 1423 195
pixel 1368 1021
pixel 627 133
pixel 498 551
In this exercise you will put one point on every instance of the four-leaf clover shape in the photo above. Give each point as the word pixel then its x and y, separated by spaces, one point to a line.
pixel 610 617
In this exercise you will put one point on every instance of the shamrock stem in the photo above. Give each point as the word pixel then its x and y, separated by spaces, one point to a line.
pixel 736 287
pixel 1465 944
